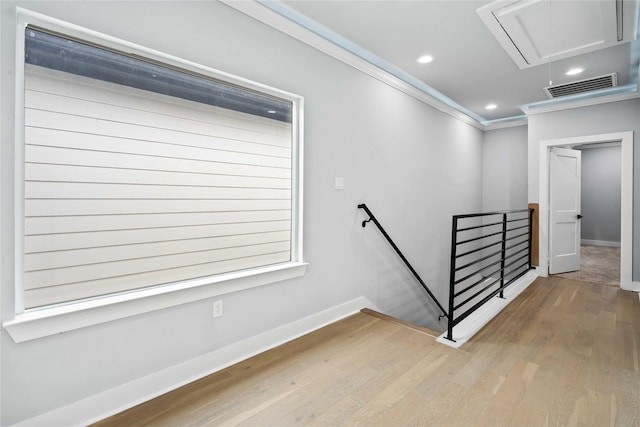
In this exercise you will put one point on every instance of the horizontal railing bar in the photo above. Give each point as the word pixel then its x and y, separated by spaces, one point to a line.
pixel 476 294
pixel 475 215
pixel 462 242
pixel 516 253
pixel 457 294
pixel 478 260
pixel 479 226
pixel 522 273
pixel 476 272
pixel 513 262
pixel 478 238
pixel 479 249
pixel 518 228
pixel 493 272
pixel 514 247
pixel 519 235
pixel 516 244
pixel 518 219
pixel 489 265
pixel 490 225
pixel 517 268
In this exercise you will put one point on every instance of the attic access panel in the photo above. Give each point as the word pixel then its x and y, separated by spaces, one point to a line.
pixel 535 32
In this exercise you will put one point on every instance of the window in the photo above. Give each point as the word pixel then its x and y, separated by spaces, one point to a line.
pixel 140 173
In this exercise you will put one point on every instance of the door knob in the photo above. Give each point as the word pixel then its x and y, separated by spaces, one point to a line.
pixel 579 216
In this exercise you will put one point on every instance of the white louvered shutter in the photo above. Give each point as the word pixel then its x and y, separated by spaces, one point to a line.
pixel 126 188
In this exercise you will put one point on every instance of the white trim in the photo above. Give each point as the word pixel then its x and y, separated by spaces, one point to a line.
pixel 297 181
pixel 493 125
pixel 596 145
pixel 470 326
pixel 109 402
pixel 18 167
pixel 487 14
pixel 626 234
pixel 569 104
pixel 35 324
pixel 600 243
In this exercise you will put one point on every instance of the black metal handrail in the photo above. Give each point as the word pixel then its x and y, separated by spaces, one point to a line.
pixel 484 286
pixel 402 257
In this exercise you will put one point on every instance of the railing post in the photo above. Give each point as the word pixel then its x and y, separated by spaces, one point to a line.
pixel 504 253
pixel 452 276
pixel 530 235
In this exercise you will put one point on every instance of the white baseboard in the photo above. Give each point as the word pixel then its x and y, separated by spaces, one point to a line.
pixel 466 329
pixel 600 243
pixel 109 402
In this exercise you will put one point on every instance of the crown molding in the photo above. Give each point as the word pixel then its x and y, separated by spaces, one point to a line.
pixel 266 14
pixel 509 122
pixel 628 92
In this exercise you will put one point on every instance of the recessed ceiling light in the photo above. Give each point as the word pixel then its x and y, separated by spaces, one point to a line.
pixel 491 106
pixel 574 71
pixel 271 111
pixel 425 59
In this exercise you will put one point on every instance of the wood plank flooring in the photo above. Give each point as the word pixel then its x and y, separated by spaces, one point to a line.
pixel 564 353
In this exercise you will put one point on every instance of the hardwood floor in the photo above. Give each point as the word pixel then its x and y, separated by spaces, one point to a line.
pixel 564 353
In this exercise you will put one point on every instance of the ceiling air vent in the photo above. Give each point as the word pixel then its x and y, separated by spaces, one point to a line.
pixel 581 86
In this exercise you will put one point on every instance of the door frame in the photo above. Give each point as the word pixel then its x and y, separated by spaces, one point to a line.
pixel 626 232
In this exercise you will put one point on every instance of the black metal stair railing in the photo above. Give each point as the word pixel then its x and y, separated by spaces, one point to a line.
pixel 402 257
pixel 486 258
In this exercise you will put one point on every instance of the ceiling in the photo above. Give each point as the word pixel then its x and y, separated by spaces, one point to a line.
pixel 526 44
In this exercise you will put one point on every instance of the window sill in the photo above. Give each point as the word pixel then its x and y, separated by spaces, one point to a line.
pixel 54 320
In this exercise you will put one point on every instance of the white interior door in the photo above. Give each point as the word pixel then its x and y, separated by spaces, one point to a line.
pixel 564 210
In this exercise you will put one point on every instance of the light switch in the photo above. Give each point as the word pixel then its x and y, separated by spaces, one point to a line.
pixel 339 183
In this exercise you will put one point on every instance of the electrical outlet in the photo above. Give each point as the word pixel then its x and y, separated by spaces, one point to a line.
pixel 217 308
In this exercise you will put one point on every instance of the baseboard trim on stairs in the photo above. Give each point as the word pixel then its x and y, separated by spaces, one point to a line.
pixel 397 321
pixel 466 329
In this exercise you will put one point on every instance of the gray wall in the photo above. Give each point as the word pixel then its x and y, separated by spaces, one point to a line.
pixel 601 194
pixel 413 165
pixel 504 169
pixel 598 119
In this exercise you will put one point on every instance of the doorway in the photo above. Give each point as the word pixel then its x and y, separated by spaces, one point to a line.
pixel 599 242
pixel 626 140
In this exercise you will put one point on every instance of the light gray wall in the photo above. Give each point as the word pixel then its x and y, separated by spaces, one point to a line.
pixel 601 194
pixel 413 165
pixel 598 119
pixel 504 169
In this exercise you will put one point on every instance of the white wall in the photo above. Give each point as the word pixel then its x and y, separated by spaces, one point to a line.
pixel 598 119
pixel 504 169
pixel 601 193
pixel 414 166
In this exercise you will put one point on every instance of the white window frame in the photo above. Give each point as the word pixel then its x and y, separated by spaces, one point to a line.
pixel 40 322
